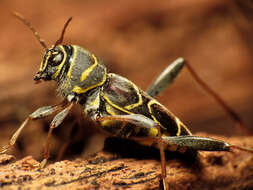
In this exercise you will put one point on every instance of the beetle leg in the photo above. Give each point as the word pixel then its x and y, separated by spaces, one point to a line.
pixel 182 142
pixel 200 143
pixel 196 143
pixel 58 119
pixel 143 121
pixel 136 119
pixel 166 78
pixel 170 73
pixel 38 114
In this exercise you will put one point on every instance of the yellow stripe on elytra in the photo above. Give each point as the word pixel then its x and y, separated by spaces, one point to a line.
pixel 139 98
pixel 73 61
pixel 63 62
pixel 80 90
pixel 87 71
pixel 114 105
pixel 180 125
pixel 153 117
pixel 178 122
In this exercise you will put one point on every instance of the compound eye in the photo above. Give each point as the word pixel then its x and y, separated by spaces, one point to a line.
pixel 56 59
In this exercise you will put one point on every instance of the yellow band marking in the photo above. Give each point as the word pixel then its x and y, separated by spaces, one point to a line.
pixel 108 122
pixel 178 122
pixel 73 61
pixel 63 62
pixel 80 90
pixel 87 71
pixel 180 125
pixel 114 105
pixel 153 117
pixel 43 67
pixel 152 132
pixel 129 107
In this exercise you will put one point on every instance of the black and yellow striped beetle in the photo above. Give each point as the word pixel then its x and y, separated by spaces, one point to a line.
pixel 120 107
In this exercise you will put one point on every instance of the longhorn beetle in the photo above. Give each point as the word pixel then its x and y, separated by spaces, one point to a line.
pixel 120 107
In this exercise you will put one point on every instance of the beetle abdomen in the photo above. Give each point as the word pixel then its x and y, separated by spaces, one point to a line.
pixel 122 97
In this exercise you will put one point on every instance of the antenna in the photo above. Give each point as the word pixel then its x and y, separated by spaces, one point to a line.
pixel 62 33
pixel 29 25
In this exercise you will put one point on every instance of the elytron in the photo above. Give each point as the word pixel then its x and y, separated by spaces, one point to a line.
pixel 120 107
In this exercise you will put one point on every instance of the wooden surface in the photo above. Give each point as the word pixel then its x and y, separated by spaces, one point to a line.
pixel 137 40
pixel 214 170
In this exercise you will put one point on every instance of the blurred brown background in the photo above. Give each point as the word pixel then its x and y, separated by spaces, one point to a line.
pixel 136 39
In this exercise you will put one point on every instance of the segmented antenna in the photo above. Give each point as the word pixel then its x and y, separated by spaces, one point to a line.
pixel 29 25
pixel 59 41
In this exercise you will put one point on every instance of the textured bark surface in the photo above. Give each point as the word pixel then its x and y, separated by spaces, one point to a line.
pixel 213 170
pixel 136 39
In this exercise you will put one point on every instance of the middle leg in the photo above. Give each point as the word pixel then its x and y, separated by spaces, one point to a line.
pixel 144 122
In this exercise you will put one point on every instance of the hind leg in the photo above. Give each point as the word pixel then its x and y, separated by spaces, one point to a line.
pixel 166 78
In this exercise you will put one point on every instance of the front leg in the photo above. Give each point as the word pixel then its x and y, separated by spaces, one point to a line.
pixel 58 119
pixel 38 114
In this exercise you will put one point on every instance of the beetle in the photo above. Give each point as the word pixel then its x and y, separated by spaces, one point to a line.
pixel 120 107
